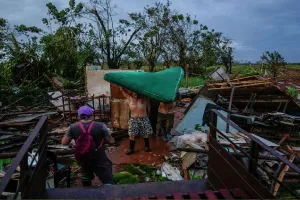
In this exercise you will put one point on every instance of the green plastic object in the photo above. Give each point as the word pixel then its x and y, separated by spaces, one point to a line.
pixel 160 86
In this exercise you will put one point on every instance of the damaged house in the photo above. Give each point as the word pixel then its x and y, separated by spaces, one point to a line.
pixel 263 110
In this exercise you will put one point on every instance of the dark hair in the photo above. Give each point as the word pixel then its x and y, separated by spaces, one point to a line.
pixel 139 95
pixel 178 96
pixel 84 116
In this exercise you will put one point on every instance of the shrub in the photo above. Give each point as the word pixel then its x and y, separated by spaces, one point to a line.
pixel 293 92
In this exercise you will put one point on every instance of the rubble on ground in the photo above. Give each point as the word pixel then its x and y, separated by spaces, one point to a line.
pixel 259 106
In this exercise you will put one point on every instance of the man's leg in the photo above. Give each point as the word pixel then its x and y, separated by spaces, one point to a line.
pixel 87 175
pixel 161 124
pixel 169 125
pixel 132 132
pixel 146 131
pixel 105 174
pixel 153 115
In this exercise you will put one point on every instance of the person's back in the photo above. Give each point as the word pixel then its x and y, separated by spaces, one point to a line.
pixel 98 133
pixel 97 161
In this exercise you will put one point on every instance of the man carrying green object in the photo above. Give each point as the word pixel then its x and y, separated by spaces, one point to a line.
pixel 139 123
pixel 166 117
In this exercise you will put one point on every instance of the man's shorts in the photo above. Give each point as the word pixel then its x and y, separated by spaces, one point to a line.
pixel 139 126
pixel 166 120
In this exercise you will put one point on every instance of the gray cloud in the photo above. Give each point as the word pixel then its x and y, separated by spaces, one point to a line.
pixel 254 26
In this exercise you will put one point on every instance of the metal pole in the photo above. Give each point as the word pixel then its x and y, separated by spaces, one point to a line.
pixel 213 124
pixel 229 107
pixel 187 75
pixel 254 152
pixel 63 101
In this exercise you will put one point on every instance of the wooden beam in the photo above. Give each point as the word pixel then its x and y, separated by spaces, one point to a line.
pixel 240 86
pixel 282 174
pixel 237 83
pixel 261 100
pixel 245 78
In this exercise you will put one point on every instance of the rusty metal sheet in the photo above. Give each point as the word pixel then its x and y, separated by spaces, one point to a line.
pixel 119 108
pixel 119 113
pixel 115 92
pixel 115 113
pixel 124 114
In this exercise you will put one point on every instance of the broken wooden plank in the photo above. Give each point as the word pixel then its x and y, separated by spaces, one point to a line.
pixel 6 124
pixel 28 118
pixel 186 174
pixel 188 159
pixel 296 149
pixel 59 146
pixel 237 83
pixel 282 174
pixel 245 78
pixel 241 86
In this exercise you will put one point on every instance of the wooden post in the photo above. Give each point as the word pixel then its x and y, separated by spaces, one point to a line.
pixel 282 174
pixel 187 75
pixel 229 107
pixel 213 124
pixel 254 152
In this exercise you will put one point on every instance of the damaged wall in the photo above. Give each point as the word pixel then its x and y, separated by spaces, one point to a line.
pixel 95 83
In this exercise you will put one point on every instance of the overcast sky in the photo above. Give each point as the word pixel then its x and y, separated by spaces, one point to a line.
pixel 254 26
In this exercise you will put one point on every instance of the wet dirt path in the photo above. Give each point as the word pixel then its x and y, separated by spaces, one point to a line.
pixel 155 158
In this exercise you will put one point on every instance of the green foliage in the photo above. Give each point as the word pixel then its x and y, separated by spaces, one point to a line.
pixel 4 162
pixel 136 170
pixel 144 173
pixel 72 39
pixel 198 127
pixel 125 178
pixel 194 82
pixel 293 92
pixel 274 63
pixel 250 71
pixel 192 177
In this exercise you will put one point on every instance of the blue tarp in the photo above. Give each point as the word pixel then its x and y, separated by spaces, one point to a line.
pixel 195 116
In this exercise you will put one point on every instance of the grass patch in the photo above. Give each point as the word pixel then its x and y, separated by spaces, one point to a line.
pixel 125 178
pixel 293 66
pixel 136 174
pixel 193 82
pixel 293 92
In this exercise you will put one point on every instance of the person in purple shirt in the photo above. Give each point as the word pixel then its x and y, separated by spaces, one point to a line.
pixel 100 165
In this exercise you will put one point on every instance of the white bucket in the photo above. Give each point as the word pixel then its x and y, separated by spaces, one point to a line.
pixel 219 74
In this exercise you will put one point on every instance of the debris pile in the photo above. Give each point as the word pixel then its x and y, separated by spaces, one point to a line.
pixel 256 104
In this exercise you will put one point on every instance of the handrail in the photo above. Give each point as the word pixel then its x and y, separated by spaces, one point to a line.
pixel 23 153
pixel 252 160
pixel 267 148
